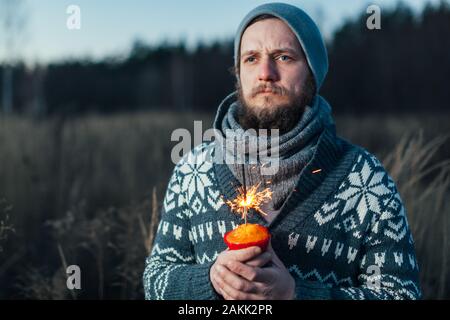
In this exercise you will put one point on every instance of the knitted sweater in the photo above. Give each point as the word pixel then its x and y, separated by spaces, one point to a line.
pixel 342 233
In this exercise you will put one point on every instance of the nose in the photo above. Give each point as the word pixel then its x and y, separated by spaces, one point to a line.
pixel 267 70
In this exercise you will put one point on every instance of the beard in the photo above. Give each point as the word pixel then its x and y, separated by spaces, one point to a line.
pixel 272 115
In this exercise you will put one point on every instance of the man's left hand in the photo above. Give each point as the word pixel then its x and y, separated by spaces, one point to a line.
pixel 272 282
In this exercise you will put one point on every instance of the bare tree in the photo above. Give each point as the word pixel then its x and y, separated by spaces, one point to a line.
pixel 12 25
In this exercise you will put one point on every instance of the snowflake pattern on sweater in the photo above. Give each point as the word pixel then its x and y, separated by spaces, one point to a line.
pixel 348 239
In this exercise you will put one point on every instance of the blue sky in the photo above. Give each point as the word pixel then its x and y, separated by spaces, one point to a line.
pixel 109 28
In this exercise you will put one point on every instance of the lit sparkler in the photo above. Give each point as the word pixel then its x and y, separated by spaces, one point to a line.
pixel 252 198
pixel 249 199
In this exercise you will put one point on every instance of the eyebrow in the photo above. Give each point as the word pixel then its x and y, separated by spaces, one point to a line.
pixel 288 50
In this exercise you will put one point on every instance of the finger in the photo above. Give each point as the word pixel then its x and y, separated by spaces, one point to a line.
pixel 219 286
pixel 226 296
pixel 266 275
pixel 247 272
pixel 214 281
pixel 244 254
pixel 230 293
pixel 260 261
pixel 233 280
pixel 245 278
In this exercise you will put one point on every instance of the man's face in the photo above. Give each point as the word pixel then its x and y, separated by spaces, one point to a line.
pixel 275 80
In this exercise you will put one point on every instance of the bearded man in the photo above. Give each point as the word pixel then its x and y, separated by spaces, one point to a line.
pixel 338 226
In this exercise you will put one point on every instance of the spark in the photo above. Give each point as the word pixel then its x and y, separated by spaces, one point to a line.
pixel 317 171
pixel 249 199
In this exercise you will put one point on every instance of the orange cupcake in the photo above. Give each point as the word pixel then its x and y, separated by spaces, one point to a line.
pixel 247 235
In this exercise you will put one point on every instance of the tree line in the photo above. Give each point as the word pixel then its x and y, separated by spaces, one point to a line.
pixel 403 67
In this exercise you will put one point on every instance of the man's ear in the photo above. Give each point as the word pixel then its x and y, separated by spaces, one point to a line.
pixel 234 70
pixel 238 82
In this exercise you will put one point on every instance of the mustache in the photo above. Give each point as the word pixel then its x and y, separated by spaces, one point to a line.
pixel 272 88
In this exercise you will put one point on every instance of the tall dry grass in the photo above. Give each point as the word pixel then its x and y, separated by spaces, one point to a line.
pixel 423 181
pixel 110 248
pixel 5 226
pixel 88 191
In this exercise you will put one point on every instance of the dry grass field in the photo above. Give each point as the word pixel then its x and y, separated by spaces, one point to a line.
pixel 88 191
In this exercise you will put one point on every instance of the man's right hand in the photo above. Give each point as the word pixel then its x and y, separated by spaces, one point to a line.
pixel 248 260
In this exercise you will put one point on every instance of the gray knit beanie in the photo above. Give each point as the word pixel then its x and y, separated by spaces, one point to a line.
pixel 304 28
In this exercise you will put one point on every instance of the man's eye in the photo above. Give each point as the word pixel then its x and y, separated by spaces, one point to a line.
pixel 284 58
pixel 250 59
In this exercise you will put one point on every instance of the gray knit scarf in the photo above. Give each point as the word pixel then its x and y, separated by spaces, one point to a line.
pixel 295 148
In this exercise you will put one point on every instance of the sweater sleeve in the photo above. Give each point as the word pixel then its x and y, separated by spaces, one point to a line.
pixel 171 271
pixel 388 268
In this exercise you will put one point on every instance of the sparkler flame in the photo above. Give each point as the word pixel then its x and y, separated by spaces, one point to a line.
pixel 252 199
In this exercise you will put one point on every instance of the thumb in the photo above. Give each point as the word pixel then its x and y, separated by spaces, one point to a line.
pixel 246 254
